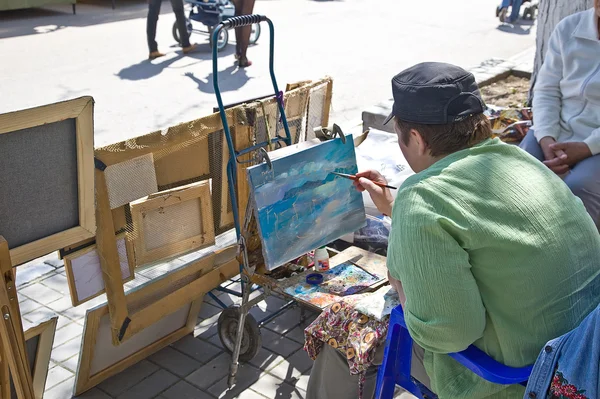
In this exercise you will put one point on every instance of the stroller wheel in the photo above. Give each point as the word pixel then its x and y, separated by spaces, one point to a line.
pixel 255 33
pixel 188 25
pixel 223 38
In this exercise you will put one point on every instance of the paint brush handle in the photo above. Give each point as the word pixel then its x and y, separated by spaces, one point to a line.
pixel 383 185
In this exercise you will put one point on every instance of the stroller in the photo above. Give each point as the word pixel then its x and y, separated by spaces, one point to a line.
pixel 210 13
pixel 529 10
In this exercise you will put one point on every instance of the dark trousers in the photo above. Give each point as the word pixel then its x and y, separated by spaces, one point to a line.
pixel 242 35
pixel 153 11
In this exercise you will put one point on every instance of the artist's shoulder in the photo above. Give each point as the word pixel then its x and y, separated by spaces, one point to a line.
pixel 417 188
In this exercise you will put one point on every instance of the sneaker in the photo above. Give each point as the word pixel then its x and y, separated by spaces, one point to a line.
pixel 155 54
pixel 190 48
pixel 502 14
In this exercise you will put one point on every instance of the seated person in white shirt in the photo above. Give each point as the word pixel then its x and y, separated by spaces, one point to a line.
pixel 566 107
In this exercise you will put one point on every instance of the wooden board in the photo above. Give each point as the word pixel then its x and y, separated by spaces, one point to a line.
pixel 47 181
pixel 38 344
pixel 84 272
pixel 172 222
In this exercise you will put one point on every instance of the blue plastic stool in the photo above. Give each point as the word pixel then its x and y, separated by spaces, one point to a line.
pixel 395 369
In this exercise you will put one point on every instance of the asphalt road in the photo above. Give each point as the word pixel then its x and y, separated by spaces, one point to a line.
pixel 51 55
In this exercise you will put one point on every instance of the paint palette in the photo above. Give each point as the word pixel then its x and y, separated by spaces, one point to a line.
pixel 342 280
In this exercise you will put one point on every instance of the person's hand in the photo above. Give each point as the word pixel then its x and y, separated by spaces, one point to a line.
pixel 382 197
pixel 575 152
pixel 555 159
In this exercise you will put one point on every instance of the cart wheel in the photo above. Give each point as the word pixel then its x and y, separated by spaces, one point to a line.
pixel 188 25
pixel 227 327
pixel 255 34
pixel 223 38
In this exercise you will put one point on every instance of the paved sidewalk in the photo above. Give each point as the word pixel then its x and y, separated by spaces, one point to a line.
pixel 195 367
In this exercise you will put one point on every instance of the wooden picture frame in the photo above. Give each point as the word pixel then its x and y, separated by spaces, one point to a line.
pixel 164 310
pixel 81 110
pixel 90 264
pixel 172 222
pixel 39 367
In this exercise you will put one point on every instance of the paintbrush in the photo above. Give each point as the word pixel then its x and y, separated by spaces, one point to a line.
pixel 353 177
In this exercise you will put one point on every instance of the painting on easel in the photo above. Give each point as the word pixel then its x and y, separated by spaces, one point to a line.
pixel 299 204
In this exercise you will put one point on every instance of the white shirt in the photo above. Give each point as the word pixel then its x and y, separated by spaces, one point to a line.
pixel 566 101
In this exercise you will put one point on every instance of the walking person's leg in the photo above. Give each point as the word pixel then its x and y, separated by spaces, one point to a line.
pixel 151 22
pixel 242 35
pixel 179 12
pixel 516 10
pixel 503 10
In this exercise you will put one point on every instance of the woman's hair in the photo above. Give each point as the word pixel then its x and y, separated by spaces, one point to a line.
pixel 451 137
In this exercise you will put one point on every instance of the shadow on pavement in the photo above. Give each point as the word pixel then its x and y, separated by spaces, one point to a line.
pixel 230 79
pixel 14 23
pixel 521 27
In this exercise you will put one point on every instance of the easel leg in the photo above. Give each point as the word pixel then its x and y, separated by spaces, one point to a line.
pixel 11 328
pixel 4 376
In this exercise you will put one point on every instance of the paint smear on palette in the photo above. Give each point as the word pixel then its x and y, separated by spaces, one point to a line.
pixel 344 279
pixel 299 204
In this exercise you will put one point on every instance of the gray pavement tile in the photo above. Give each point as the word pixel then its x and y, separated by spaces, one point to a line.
pixel 296 334
pixel 121 382
pixel 216 341
pixel 40 314
pixel 175 361
pixel 28 305
pixel 184 390
pixel 93 393
pixel 293 367
pixel 55 262
pixel 66 350
pixel 250 394
pixel 199 349
pixel 150 386
pixel 211 372
pixel 266 360
pixel 63 322
pixel 26 274
pixel 71 363
pixel 247 375
pixel 40 293
pixel 286 321
pixel 300 382
pixel 67 333
pixel 272 387
pixel 207 311
pixel 57 282
pixel 278 344
pixel 63 390
pixel 206 328
pixel 56 375
pixel 61 305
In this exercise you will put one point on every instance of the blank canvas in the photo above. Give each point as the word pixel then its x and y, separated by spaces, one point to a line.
pixel 130 180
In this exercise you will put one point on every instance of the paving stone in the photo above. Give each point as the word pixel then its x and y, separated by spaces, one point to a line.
pixel 250 394
pixel 66 350
pixel 63 390
pixel 296 334
pixel 301 382
pixel 211 372
pixel 293 367
pixel 126 379
pixel 57 282
pixel 40 293
pixel 93 393
pixel 207 311
pixel 66 334
pixel 151 386
pixel 28 305
pixel 175 361
pixel 216 341
pixel 71 363
pixel 28 273
pixel 61 305
pixel 199 349
pixel 247 375
pixel 184 390
pixel 272 387
pixel 206 328
pixel 285 322
pixel 40 314
pixel 278 344
pixel 56 375
pixel 56 262
pixel 266 360
pixel 63 322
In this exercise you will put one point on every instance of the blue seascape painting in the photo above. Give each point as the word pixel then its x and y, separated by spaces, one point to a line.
pixel 300 205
